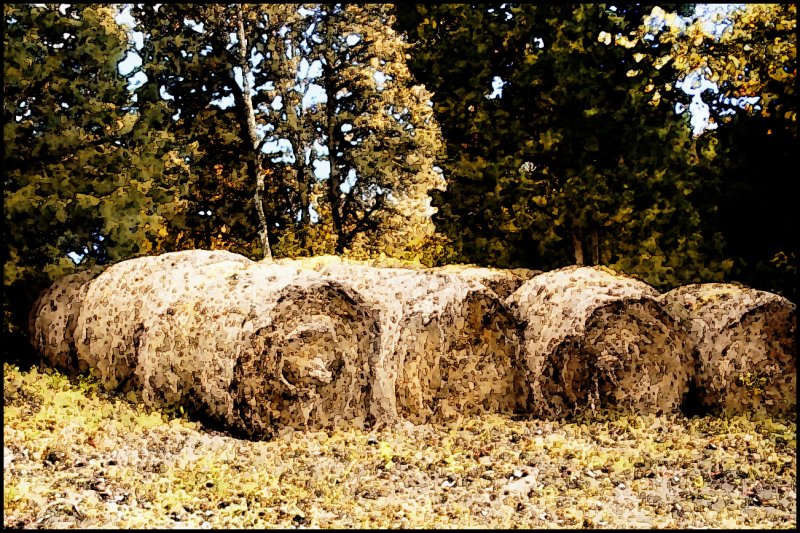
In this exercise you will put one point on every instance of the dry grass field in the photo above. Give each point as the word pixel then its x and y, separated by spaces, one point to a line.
pixel 77 457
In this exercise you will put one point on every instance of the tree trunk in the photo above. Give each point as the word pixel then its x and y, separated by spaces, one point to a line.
pixel 594 239
pixel 263 229
pixel 577 245
pixel 305 201
pixel 334 185
pixel 254 170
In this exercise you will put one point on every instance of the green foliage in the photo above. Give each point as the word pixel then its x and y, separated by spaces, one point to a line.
pixel 82 171
pixel 378 138
pixel 580 159
pixel 756 57
pixel 380 133
pixel 186 70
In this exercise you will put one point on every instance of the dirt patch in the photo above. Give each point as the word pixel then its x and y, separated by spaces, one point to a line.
pixel 89 460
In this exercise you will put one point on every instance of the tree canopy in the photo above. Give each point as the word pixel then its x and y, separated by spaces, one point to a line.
pixel 579 159
pixel 370 126
pixel 82 175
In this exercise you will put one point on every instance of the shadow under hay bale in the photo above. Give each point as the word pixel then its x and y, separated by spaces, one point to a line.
pixel 53 319
pixel 744 343
pixel 596 339
pixel 448 346
pixel 262 345
pixel 118 301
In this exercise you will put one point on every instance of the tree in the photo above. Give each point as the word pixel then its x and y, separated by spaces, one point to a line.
pixel 373 126
pixel 380 134
pixel 80 176
pixel 750 53
pixel 457 50
pixel 294 128
pixel 192 57
pixel 757 205
pixel 579 159
pixel 747 50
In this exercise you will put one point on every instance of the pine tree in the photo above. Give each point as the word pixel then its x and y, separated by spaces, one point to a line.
pixel 79 176
pixel 579 159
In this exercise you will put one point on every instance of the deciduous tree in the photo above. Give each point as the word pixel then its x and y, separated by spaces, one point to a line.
pixel 373 125
pixel 750 52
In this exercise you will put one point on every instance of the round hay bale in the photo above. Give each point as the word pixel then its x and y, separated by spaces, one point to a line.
pixel 53 320
pixel 322 345
pixel 458 354
pixel 744 341
pixel 119 300
pixel 259 345
pixel 502 281
pixel 448 345
pixel 383 291
pixel 597 339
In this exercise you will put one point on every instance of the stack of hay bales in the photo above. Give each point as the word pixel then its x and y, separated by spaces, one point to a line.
pixel 320 342
pixel 54 317
pixel 119 302
pixel 448 346
pixel 744 344
pixel 597 339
